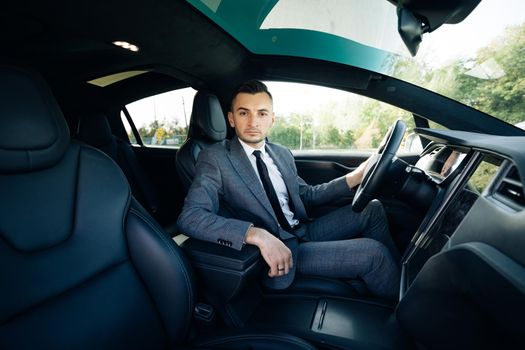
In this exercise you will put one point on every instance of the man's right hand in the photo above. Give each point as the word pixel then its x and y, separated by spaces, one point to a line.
pixel 276 254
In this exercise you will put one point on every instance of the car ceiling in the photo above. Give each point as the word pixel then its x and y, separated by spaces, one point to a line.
pixel 72 40
pixel 71 43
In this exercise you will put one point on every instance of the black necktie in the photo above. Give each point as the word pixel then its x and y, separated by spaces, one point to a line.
pixel 270 192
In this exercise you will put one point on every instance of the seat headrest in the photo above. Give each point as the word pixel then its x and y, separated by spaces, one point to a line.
pixel 207 118
pixel 33 132
pixel 94 129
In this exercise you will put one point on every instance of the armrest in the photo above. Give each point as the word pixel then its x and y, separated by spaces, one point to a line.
pixel 202 252
pixel 223 271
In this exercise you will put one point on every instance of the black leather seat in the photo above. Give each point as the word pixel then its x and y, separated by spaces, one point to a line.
pixel 94 129
pixel 207 127
pixel 82 264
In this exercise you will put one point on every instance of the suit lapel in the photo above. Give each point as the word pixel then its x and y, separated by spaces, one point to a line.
pixel 244 168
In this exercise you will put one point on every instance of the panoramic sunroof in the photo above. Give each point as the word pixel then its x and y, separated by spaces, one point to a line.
pixel 353 32
pixel 371 23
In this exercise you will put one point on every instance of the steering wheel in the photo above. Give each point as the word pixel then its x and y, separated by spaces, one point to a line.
pixel 378 165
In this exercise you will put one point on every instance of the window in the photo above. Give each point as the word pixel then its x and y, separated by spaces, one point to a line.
pixel 161 120
pixel 129 131
pixel 317 118
pixel 484 173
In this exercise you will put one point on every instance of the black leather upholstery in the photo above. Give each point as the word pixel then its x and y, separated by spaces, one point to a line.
pixel 303 284
pixel 94 129
pixel 207 126
pixel 27 142
pixel 469 296
pixel 82 265
pixel 269 341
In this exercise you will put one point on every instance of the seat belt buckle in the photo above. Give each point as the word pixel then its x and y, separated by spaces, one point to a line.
pixel 204 315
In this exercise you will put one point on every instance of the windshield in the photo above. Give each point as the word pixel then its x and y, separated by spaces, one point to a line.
pixel 479 62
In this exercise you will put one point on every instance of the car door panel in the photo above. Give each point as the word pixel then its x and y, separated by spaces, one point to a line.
pixel 317 168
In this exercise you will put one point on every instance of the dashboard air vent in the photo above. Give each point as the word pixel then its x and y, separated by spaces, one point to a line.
pixel 510 189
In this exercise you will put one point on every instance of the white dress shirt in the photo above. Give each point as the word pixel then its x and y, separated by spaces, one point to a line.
pixel 275 176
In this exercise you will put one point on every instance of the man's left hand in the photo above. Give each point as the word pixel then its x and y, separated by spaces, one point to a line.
pixel 355 177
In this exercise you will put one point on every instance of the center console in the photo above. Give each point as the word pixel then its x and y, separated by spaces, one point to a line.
pixel 336 322
pixel 231 284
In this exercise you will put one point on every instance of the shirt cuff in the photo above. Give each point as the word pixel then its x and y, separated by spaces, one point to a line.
pixel 244 239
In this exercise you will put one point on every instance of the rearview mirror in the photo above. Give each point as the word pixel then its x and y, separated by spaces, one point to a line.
pixel 411 29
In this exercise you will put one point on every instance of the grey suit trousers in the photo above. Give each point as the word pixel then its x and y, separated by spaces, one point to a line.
pixel 347 245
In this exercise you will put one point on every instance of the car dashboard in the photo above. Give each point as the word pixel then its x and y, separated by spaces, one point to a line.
pixel 476 176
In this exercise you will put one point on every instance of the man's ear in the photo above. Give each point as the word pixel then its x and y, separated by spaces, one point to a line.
pixel 230 119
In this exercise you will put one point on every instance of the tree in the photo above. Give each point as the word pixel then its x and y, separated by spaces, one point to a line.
pixel 500 96
pixel 285 133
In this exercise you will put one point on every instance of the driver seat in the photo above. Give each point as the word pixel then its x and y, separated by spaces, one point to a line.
pixel 82 264
pixel 207 127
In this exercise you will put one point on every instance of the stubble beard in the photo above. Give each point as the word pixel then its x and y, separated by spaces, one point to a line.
pixel 252 140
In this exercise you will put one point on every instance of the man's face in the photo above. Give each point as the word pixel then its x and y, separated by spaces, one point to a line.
pixel 252 117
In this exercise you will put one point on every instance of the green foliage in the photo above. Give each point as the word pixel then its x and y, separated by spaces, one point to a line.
pixel 502 97
pixel 325 130
pixel 285 133
pixel 299 132
pixel 483 175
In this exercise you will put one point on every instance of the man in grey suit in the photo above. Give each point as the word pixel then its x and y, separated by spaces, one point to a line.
pixel 248 192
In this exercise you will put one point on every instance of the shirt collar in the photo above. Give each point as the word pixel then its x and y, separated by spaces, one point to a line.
pixel 249 149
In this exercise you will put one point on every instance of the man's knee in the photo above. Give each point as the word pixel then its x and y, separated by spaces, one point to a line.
pixel 378 253
pixel 374 214
pixel 375 208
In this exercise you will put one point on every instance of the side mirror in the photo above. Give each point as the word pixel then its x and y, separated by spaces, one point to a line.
pixel 411 29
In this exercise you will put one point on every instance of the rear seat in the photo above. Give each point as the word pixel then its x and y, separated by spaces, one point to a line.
pixel 94 130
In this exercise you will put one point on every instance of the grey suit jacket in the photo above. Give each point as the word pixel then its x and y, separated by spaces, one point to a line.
pixel 226 198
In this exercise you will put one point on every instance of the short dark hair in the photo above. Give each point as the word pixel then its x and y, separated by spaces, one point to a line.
pixel 251 87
